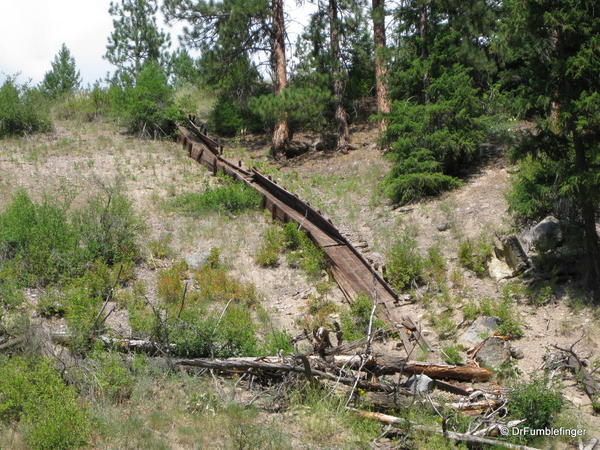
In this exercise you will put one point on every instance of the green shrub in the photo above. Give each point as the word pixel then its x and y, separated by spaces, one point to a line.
pixel 405 265
pixel 170 283
pixel 47 243
pixel 534 189
pixel 229 197
pixel 276 342
pixel 22 110
pixel 33 394
pixel 227 118
pixel 272 244
pixel 534 402
pixel 355 323
pixel 39 239
pixel 474 254
pixel 431 143
pixel 112 376
pixel 148 107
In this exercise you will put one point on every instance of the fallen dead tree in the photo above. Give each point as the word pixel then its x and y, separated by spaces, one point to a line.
pixel 451 435
pixel 375 364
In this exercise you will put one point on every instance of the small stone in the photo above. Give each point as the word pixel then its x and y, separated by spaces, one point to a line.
pixel 444 226
pixel 499 270
pixel 419 384
pixel 516 353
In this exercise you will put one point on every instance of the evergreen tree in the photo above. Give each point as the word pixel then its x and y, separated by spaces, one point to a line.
pixel 136 37
pixel 235 30
pixel 553 50
pixel 63 78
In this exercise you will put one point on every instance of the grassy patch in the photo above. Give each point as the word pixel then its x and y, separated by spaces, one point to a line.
pixel 474 254
pixel 300 251
pixel 228 197
pixel 355 322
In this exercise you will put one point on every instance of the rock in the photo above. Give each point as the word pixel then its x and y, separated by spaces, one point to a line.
pixel 478 331
pixel 419 384
pixel 514 255
pixel 516 353
pixel 443 226
pixel 493 352
pixel 499 270
pixel 197 260
pixel 545 236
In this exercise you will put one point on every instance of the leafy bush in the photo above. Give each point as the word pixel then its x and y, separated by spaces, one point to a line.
pixel 272 244
pixel 48 411
pixel 47 243
pixel 276 342
pixel 39 239
pixel 534 402
pixel 404 265
pixel 227 118
pixel 84 106
pixel 22 110
pixel 431 143
pixel 232 196
pixel 355 323
pixel 148 107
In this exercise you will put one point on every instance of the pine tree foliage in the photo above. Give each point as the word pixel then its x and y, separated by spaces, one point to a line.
pixel 553 49
pixel 136 37
pixel 63 78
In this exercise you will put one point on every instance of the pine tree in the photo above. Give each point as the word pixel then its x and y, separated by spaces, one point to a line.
pixel 136 37
pixel 552 48
pixel 235 29
pixel 63 78
pixel 338 75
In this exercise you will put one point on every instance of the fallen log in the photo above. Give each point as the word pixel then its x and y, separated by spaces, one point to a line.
pixel 382 365
pixel 278 364
pixel 451 435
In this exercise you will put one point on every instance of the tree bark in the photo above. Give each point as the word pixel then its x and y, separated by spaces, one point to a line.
pixel 341 121
pixel 383 106
pixel 281 133
pixel 588 216
pixel 424 53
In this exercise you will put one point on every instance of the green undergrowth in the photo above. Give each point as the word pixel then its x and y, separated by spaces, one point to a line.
pixel 227 197
pixel 46 411
pixel 474 254
pixel 46 242
pixel 300 251
pixel 355 322
pixel 511 324
pixel 207 313
pixel 407 267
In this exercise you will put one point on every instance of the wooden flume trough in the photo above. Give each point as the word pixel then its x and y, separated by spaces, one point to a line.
pixel 352 272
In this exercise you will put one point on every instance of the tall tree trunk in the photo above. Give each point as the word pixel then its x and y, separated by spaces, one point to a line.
pixel 424 53
pixel 588 216
pixel 383 105
pixel 341 120
pixel 282 132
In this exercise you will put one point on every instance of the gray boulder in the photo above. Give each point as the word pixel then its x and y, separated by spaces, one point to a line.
pixel 419 384
pixel 547 235
pixel 513 254
pixel 478 331
pixel 493 352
